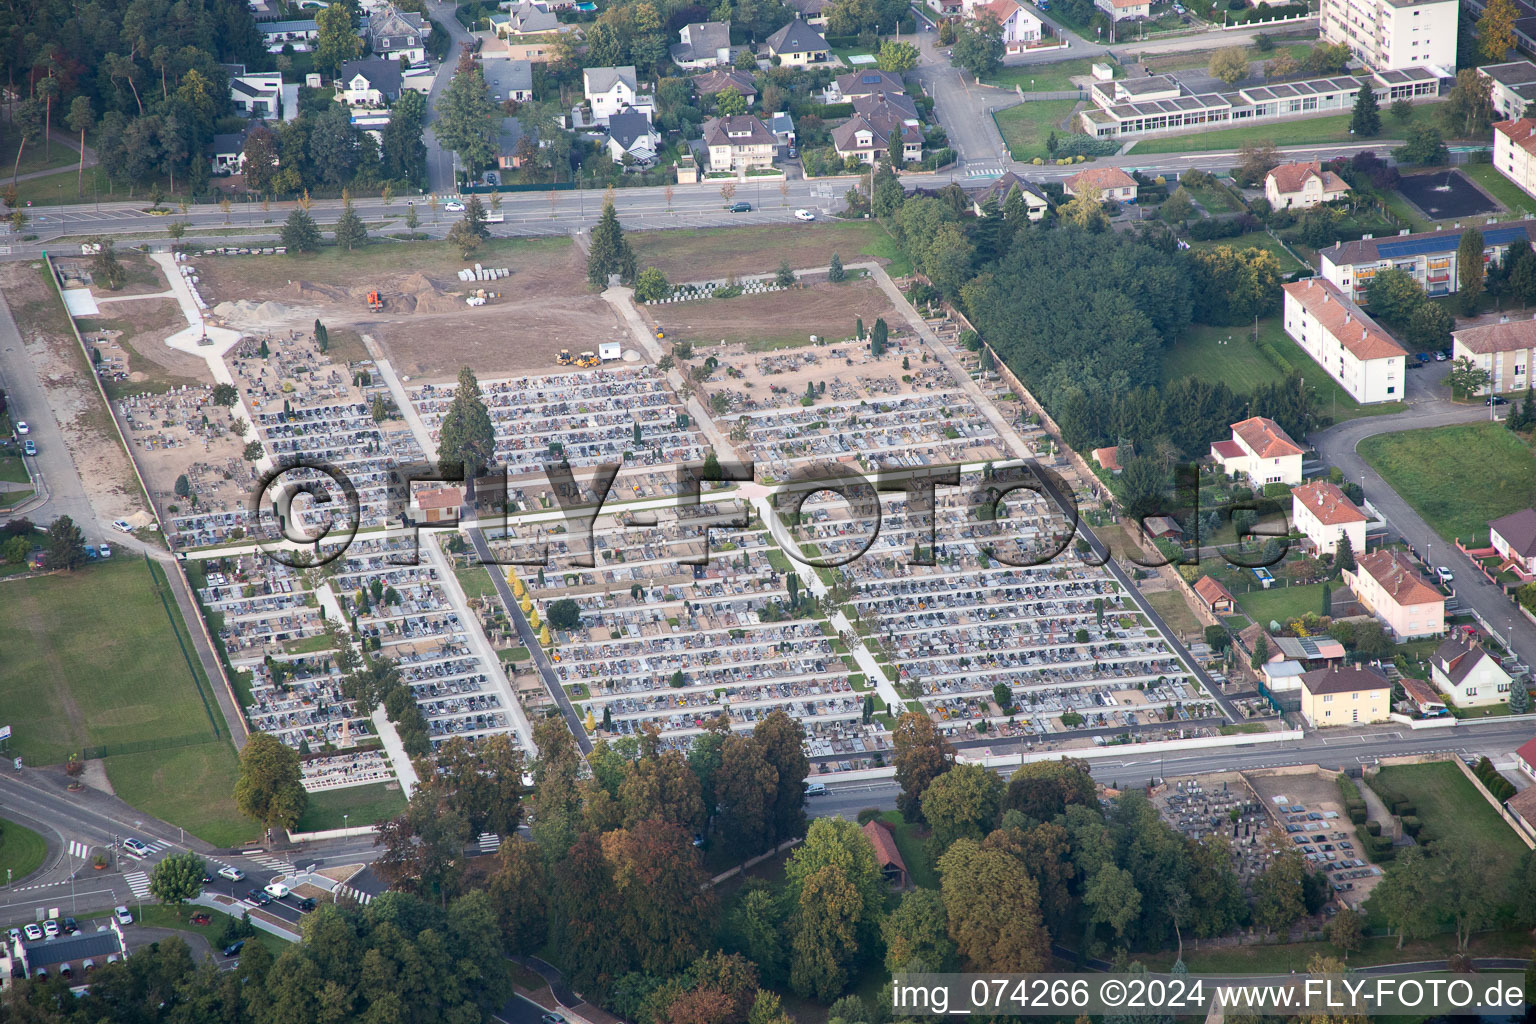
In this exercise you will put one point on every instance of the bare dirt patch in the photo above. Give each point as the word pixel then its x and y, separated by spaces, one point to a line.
pixel 143 276
pixel 776 319
pixel 130 337
pixel 720 252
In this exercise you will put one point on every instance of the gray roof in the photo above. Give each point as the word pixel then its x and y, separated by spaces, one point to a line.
pixel 703 41
pixel 796 37
pixel 1518 530
pixel 627 126
pixel 382 74
pixel 809 8
pixel 781 123
pixel 603 79
pixel 529 20
pixel 507 76
pixel 717 80
pixel 1338 679
pixel 65 948
pixel 508 136
pixel 867 83
pixel 1513 75
pixel 272 28
pixel 392 27
pixel 1000 188
pixel 895 103
pixel 1369 250
pixel 1456 658
pixel 230 143
pixel 740 130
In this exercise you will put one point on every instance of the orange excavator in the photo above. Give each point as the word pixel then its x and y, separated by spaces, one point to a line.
pixel 375 304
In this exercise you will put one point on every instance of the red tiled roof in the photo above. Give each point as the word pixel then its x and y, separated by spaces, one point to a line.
pixel 1519 133
pixel 1106 457
pixel 1422 693
pixel 1486 339
pixel 1343 319
pixel 1293 177
pixel 1211 590
pixel 1101 177
pixel 440 497
pixel 1527 751
pixel 1265 438
pixel 886 853
pixel 1227 449
pixel 1327 503
pixel 1396 575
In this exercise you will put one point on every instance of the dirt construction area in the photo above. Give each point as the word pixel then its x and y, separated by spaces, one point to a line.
pixel 426 328
pixel 776 319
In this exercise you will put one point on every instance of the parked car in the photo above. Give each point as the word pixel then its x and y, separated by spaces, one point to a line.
pixel 201 919
pixel 740 208
pixel 15 935
pixel 804 215
pixel 258 897
pixel 453 206
pixel 33 932
pixel 135 848
pixel 232 874
pixel 29 447
pixel 277 890
pixel 106 550
pixel 70 927
pixel 1495 400
pixel 121 525
pixel 22 430
pixel 124 916
pixel 1443 574
pixel 235 949
pixel 1444 354
pixel 51 929
pixel 304 903
pixel 91 552
pixel 552 1018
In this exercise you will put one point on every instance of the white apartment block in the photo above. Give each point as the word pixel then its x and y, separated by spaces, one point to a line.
pixel 1389 34
pixel 1514 145
pixel 1340 338
pixel 1505 350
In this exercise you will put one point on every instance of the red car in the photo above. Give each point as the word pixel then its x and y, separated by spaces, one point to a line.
pixel 201 919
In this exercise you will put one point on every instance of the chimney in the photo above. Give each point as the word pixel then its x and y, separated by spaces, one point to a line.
pixel 1346 316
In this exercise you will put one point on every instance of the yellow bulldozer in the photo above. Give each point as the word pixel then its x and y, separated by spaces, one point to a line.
pixel 564 358
pixel 587 359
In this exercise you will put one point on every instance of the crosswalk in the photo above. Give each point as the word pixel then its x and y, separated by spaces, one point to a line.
pixel 489 842
pixel 275 863
pixel 984 172
pixel 138 881
pixel 79 850
pixel 347 892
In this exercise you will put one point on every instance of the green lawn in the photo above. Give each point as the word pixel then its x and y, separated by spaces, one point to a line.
pixel 1279 604
pixel 21 850
pixel 718 252
pixel 1429 469
pixel 158 916
pixel 1045 77
pixel 1216 199
pixel 1277 958
pixel 12 471
pixel 1174 610
pixel 1296 132
pixel 1228 354
pixel 192 787
pixel 1026 126
pixel 1448 804
pixel 363 805
pixel 1257 240
pixel 100 663
pixel 1501 188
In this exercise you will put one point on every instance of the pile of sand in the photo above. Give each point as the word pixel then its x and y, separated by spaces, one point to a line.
pixel 246 310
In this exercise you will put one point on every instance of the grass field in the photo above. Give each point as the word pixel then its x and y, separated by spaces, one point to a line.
pixel 1280 604
pixel 1025 127
pixel 157 916
pixel 21 850
pixel 1501 188
pixel 719 252
pixel 1299 132
pixel 363 805
pixel 1174 610
pixel 12 471
pixel 100 665
pixel 1428 468
pixel 1216 199
pixel 1228 354
pixel 1044 77
pixel 192 787
pixel 1257 240
pixel 1276 958
pixel 1448 804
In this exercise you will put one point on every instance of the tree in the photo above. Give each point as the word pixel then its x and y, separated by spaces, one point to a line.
pixel 1260 651
pixel 484 782
pixel 1277 892
pixel 828 916
pixel 1407 896
pixel 1470 907
pixel 1112 898
pixel 1429 326
pixel 467 119
pixel 270 787
pixel 106 269
pixel 1467 378
pixel 920 755
pixel 1393 295
pixel 978 46
pixel 1281 65
pixel 878 336
pixel 1346 931
pixel 993 905
pixel 337 42
pixel 1401 110
pixel 1366 119
pixel 1469 268
pixel 662 902
pixel 1254 161
pixel 782 742
pixel 351 232
pixel 651 285
pixel 1230 64
pixel 1085 210
pixel 1423 146
pixel 300 233
pixel 785 275
pixel 746 788
pixel 225 395
pixel 1468 110
pixel 897 57
pixel 463 235
pixel 27 123
pixel 1496 29
pixel 467 438
pixel 917 932
pixel 1043 789
pixel 609 252
pixel 66 545
pixel 1178 207
pixel 730 102
pixel 80 119
pixel 177 878
pixel 962 803
pixel 659 788
pixel 564 614
pixel 835 271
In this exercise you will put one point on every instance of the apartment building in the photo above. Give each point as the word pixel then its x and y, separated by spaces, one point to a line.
pixel 1505 350
pixel 1514 145
pixel 1513 87
pixel 1390 34
pixel 1391 589
pixel 1429 257
pixel 1368 364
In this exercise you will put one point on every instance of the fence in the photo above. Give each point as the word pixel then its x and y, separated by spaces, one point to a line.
pixel 160 584
pixel 141 746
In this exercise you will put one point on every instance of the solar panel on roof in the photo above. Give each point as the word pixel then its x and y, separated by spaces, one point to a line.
pixel 1445 241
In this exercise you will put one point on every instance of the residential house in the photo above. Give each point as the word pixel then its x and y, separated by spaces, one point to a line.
pixel 1525 758
pixel 1523 804
pixel 737 143
pixel 882 127
pixel 859 84
pixel 1514 538
pixel 611 90
pixel 1021 28
pixel 508 79
pixel 226 153
pixel 1366 361
pixel 437 505
pixel 398 35
pixel 1324 514
pixel 1280 681
pixel 1120 10
pixel 1108 458
pixel 1216 598
pixel 717 80
pixel 1163 528
pixel 1429 257
pixel 887 855
pixel 1345 695
pixel 1112 183
pixel 373 82
pixel 630 134
pixel 947 8
pixel 1302 186
pixel 1514 152
pixel 508 136
pixel 798 45
pixel 299 34
pixel 782 125
pixel 1512 87
pixel 1468 674
pixel 526 19
pixel 1261 451
pixel 1423 697
pixel 1391 589
pixel 1505 350
pixel 812 11
pixel 1318 651
pixel 258 95
pixel 703 44
pixel 1035 201
pixel 1393 34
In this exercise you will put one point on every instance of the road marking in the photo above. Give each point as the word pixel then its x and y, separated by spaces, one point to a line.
pixel 138 881
pixel 489 841
pixel 79 850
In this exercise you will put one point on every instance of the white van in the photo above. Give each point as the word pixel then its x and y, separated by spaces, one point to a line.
pixel 277 890
pixel 815 789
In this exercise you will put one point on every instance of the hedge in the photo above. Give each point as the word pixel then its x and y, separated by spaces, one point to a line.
pixel 1373 827
pixel 1411 825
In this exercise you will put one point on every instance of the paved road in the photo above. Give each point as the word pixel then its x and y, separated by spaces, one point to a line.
pixel 439 162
